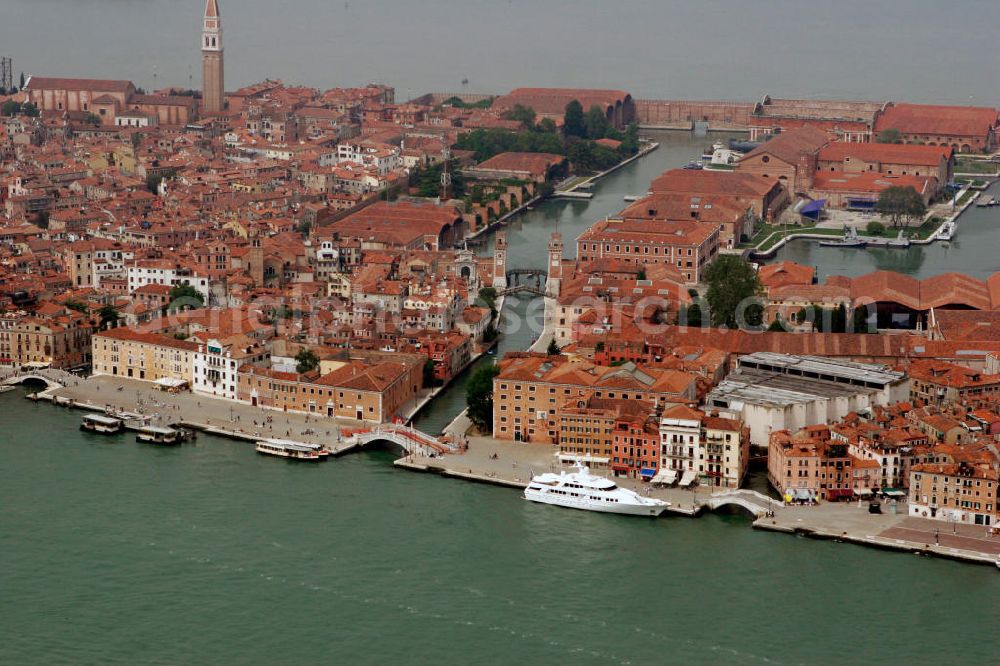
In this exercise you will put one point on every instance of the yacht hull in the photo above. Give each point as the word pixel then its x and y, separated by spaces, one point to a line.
pixel 650 511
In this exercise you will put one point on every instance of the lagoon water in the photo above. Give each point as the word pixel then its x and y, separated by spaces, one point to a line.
pixel 114 552
pixel 915 50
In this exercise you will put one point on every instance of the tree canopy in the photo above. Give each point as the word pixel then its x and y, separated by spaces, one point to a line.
pixel 306 361
pixel 900 204
pixel 185 295
pixel 731 282
pixel 890 135
pixel 108 315
pixel 596 123
pixel 479 397
pixel 553 349
pixel 428 180
pixel 523 114
pixel 573 120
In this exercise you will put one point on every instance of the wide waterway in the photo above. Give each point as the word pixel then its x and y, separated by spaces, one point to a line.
pixel 114 552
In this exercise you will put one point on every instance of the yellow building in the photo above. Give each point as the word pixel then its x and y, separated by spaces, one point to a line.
pixel 146 356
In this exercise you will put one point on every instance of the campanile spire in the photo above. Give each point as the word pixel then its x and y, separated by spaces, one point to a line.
pixel 213 85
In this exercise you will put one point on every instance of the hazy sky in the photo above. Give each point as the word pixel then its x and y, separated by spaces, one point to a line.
pixel 919 50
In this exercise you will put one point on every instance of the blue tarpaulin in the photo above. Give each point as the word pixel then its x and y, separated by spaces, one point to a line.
pixel 645 471
pixel 813 208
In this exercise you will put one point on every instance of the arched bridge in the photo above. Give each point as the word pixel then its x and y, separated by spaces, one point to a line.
pixel 50 384
pixel 410 439
pixel 756 503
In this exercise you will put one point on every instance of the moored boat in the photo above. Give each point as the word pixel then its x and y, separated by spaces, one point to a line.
pixel 947 231
pixel 283 448
pixel 850 239
pixel 157 435
pixel 101 424
pixel 583 490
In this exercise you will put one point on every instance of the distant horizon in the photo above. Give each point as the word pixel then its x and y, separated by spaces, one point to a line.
pixel 896 51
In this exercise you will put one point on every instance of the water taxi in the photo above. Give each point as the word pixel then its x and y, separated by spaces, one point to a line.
pixel 104 425
pixel 582 490
pixel 283 448
pixel 157 435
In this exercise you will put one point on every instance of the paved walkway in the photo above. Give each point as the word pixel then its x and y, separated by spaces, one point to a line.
pixel 166 408
pixel 937 532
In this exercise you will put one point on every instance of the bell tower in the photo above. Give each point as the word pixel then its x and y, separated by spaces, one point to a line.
pixel 213 84
pixel 500 260
pixel 555 264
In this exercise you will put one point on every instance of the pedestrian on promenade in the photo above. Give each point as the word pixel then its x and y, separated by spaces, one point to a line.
pixel 936 538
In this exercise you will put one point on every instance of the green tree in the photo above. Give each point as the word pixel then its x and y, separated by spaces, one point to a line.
pixel 890 135
pixel 596 123
pixel 573 122
pixel 875 228
pixel 690 315
pixel 630 141
pixel 30 110
pixel 429 378
pixel 731 281
pixel 185 295
pixel 479 397
pixel 109 315
pixel 900 204
pixel 553 349
pixel 10 108
pixel 488 295
pixel 74 304
pixel 43 219
pixel 546 125
pixel 92 119
pixel 22 81
pixel 306 361
pixel 523 114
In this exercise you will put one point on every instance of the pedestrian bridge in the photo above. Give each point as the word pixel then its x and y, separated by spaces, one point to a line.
pixel 410 439
pixel 50 384
pixel 756 503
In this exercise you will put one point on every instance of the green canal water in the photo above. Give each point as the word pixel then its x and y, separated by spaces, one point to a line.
pixel 113 552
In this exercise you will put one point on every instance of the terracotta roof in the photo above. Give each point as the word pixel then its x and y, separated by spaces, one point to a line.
pixel 732 183
pixel 127 334
pixel 790 145
pixel 785 273
pixel 94 85
pixel 891 153
pixel 212 9
pixel 533 163
pixel 971 121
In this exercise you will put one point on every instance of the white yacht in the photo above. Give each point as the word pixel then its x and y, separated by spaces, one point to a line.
pixel 582 490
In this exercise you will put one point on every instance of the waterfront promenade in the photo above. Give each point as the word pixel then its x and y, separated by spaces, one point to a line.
pixel 223 417
pixel 512 464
